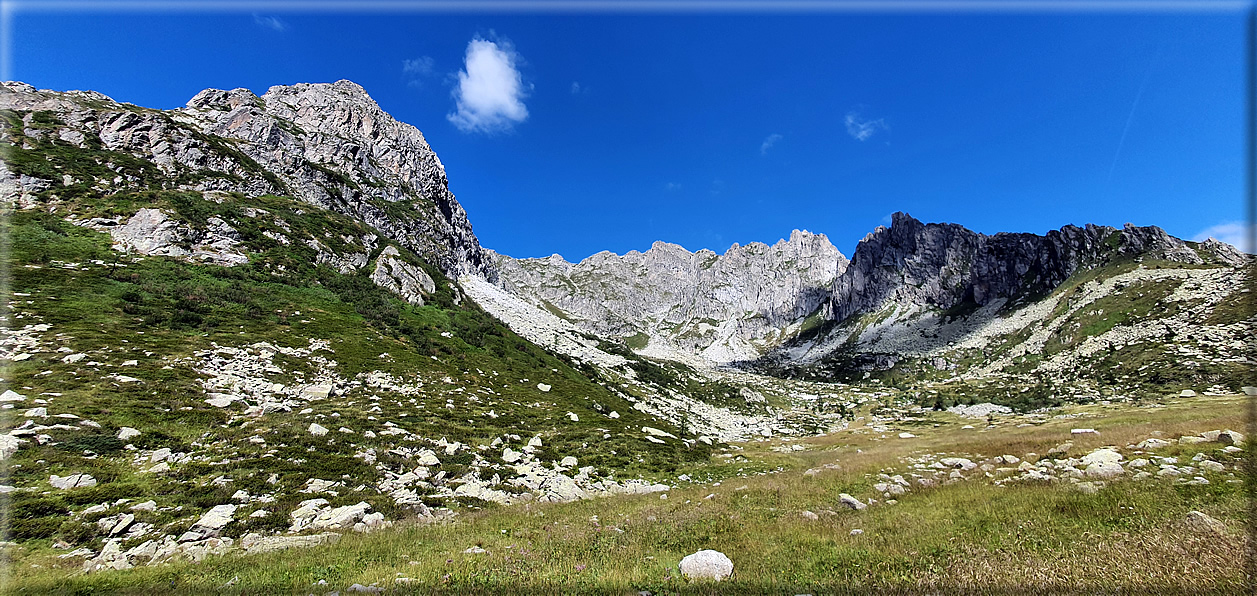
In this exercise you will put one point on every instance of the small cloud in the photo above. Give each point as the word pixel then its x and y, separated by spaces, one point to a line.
pixel 576 88
pixel 769 142
pixel 717 186
pixel 272 23
pixel 1234 233
pixel 422 66
pixel 861 129
pixel 671 186
pixel 418 69
pixel 490 91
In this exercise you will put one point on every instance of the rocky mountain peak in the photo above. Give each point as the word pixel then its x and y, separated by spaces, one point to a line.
pixel 327 144
pixel 940 265
pixel 724 307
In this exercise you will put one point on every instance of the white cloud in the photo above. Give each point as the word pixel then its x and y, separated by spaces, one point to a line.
pixel 419 67
pixel 769 142
pixel 576 88
pixel 272 23
pixel 672 186
pixel 1234 233
pixel 861 129
pixel 490 92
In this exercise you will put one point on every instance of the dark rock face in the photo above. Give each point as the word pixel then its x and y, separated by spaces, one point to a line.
pixel 327 144
pixel 944 265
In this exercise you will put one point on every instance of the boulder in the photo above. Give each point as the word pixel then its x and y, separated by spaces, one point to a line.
pixel 8 446
pixel 1152 444
pixel 127 433
pixel 1102 456
pixel 1230 437
pixel 851 501
pixel 958 463
pixel 317 429
pixel 706 564
pixel 1200 523
pixel 72 481
pixel 215 519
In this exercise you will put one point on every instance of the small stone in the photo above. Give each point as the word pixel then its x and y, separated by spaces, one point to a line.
pixel 126 433
pixel 544 388
pixel 808 515
pixel 856 532
pixel 317 430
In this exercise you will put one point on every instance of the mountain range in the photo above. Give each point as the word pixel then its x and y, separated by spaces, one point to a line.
pixel 254 300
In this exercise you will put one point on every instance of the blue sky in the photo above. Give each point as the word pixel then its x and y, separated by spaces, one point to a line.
pixel 586 132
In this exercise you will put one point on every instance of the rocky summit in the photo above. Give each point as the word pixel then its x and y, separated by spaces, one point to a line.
pixel 671 302
pixel 258 323
pixel 328 145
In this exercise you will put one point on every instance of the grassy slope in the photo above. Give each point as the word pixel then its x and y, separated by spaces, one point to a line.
pixel 159 311
pixel 968 536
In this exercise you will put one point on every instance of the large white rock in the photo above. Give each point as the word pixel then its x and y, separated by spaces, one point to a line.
pixel 1153 444
pixel 216 518
pixel 317 429
pixel 1104 470
pixel 126 433
pixel 958 463
pixel 706 564
pixel 340 517
pixel 8 446
pixel 1102 456
pixel 72 481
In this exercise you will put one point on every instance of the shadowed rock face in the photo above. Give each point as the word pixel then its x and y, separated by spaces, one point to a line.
pixel 943 265
pixel 701 301
pixel 327 144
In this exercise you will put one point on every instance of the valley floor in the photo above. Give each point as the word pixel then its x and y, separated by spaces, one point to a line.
pixel 959 506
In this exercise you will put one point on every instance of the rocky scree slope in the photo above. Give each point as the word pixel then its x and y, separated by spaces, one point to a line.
pixel 677 304
pixel 328 145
